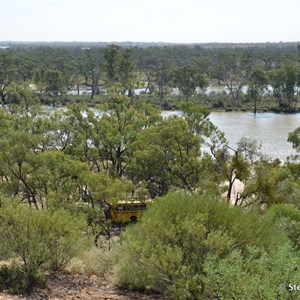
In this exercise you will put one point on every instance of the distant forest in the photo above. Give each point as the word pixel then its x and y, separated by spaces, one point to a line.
pixel 259 76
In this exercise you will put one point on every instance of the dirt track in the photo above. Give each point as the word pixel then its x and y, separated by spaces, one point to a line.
pixel 75 287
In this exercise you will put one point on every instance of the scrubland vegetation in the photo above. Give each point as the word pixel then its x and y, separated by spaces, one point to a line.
pixel 60 169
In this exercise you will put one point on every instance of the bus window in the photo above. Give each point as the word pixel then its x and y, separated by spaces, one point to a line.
pixel 119 208
pixel 134 208
pixel 126 208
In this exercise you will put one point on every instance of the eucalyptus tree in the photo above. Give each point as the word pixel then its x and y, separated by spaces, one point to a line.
pixel 285 82
pixel 69 130
pixel 118 128
pixel 165 157
pixel 8 72
pixel 232 70
pixel 22 99
pixel 236 164
pixel 94 61
pixel 50 83
pixel 126 75
pixel 18 159
pixel 26 62
pixel 271 184
pixel 120 68
pixel 170 154
pixel 30 167
pixel 101 190
pixel 55 85
pixel 294 138
pixel 188 79
pixel 162 78
pixel 111 61
pixel 257 85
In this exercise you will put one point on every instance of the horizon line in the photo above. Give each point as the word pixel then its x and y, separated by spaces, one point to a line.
pixel 128 41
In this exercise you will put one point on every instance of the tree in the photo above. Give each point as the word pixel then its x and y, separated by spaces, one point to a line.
pixel 162 78
pixel 99 191
pixel 294 138
pixel 256 85
pixel 32 172
pixel 51 82
pixel 8 73
pixel 55 85
pixel 285 82
pixel 125 72
pixel 270 184
pixel 25 65
pixel 166 156
pixel 188 79
pixel 119 68
pixel 233 71
pixel 118 128
pixel 94 61
pixel 236 166
pixel 111 57
pixel 21 99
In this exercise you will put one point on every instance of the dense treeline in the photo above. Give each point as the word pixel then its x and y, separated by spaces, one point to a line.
pixel 259 74
pixel 60 169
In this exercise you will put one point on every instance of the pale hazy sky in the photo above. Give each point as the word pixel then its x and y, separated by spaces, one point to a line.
pixel 183 21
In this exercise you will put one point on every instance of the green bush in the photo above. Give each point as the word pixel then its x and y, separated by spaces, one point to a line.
pixel 191 247
pixel 42 239
pixel 259 275
pixel 17 280
pixel 288 218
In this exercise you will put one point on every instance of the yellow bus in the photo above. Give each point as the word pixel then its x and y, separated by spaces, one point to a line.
pixel 124 212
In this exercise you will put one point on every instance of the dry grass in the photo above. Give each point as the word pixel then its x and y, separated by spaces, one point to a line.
pixel 96 261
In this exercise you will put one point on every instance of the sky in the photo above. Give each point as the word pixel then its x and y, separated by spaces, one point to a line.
pixel 184 21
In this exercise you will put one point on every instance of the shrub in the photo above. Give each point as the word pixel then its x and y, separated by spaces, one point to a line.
pixel 16 280
pixel 183 239
pixel 259 275
pixel 45 240
pixel 288 218
pixel 94 261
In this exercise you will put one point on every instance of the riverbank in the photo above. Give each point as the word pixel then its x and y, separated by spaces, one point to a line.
pixel 215 101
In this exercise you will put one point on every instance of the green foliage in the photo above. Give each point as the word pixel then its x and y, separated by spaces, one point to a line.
pixel 187 79
pixel 260 275
pixel 294 138
pixel 21 99
pixel 270 184
pixel 166 155
pixel 17 280
pixel 8 73
pixel 41 239
pixel 284 80
pixel 288 217
pixel 182 240
pixel 232 69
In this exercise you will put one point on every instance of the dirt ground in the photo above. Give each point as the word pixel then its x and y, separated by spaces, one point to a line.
pixel 77 287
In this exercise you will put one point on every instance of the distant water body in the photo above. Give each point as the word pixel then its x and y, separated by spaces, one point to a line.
pixel 269 129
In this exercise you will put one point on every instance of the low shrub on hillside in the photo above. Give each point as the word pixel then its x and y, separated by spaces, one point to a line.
pixel 16 280
pixel 41 239
pixel 194 247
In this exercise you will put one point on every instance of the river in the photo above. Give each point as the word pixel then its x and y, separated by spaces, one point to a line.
pixel 269 129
